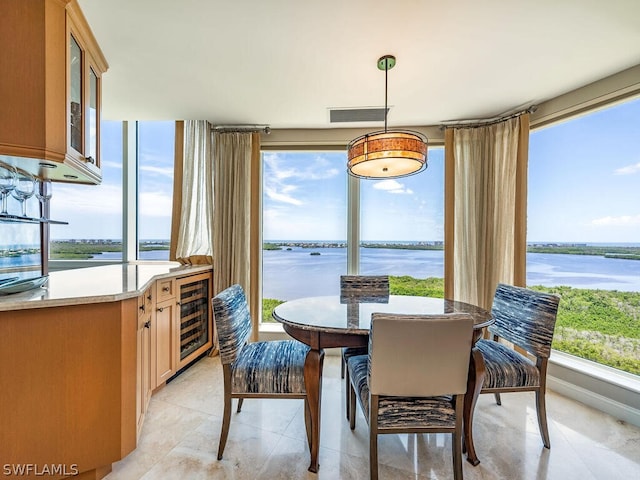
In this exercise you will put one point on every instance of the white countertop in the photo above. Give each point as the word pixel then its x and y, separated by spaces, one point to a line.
pixel 107 283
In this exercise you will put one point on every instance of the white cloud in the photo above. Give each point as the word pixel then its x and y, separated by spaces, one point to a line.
pixel 164 171
pixel 628 170
pixel 620 221
pixel 392 186
pixel 282 195
pixel 155 204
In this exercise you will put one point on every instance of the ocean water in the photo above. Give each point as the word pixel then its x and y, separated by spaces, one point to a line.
pixel 289 274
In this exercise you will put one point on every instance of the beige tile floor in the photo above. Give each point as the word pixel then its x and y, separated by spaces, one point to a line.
pixel 267 439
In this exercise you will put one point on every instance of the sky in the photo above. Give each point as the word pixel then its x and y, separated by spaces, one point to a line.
pixel 584 179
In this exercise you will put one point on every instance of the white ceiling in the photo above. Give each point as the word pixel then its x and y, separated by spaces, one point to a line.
pixel 286 62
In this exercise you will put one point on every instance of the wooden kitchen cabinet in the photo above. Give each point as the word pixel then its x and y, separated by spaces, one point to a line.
pixel 163 331
pixel 143 356
pixel 51 91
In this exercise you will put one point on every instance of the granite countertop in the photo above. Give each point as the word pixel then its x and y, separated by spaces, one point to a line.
pixel 107 283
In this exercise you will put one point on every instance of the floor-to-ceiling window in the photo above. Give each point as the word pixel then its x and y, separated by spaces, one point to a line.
pixel 584 232
pixel 306 200
pixel 94 212
pixel 155 188
pixel 304 224
pixel 402 227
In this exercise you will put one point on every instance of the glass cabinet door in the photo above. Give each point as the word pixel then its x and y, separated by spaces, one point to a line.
pixel 93 117
pixel 75 94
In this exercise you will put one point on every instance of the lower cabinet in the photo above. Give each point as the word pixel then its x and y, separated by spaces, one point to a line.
pixel 174 327
pixel 164 332
pixel 143 358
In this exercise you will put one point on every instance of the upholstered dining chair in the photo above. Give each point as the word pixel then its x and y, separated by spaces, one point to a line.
pixel 357 289
pixel 413 379
pixel 272 369
pixel 527 319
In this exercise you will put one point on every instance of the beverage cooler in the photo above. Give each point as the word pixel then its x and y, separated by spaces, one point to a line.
pixel 196 331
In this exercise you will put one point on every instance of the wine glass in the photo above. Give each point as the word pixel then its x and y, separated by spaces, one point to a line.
pixel 7 184
pixel 43 194
pixel 25 188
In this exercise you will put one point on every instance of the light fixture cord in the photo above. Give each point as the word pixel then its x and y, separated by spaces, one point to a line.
pixel 386 79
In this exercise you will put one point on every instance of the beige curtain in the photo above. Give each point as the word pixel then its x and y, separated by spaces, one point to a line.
pixel 232 212
pixel 485 208
pixel 191 239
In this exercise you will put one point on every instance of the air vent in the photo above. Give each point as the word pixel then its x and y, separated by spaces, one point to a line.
pixel 340 115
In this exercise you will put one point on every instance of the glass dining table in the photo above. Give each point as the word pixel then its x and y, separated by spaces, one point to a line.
pixel 335 321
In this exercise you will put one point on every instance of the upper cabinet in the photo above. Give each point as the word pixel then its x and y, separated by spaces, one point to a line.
pixel 50 89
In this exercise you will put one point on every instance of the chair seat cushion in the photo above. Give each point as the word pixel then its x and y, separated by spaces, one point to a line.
pixel 349 352
pixel 401 412
pixel 506 368
pixel 270 367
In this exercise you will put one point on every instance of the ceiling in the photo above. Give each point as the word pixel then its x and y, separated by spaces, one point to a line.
pixel 285 63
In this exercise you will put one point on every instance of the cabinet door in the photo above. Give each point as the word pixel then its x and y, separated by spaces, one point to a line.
pixel 164 342
pixel 84 94
pixel 144 380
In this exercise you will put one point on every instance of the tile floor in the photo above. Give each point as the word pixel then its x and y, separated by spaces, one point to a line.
pixel 267 439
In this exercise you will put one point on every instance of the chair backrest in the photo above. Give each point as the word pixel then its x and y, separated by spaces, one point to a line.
pixel 364 288
pixel 233 322
pixel 525 318
pixel 419 355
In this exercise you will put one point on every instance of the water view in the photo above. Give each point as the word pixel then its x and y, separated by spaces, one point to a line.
pixel 295 273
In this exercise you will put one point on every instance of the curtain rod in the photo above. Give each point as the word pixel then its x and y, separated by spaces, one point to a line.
pixel 488 121
pixel 241 128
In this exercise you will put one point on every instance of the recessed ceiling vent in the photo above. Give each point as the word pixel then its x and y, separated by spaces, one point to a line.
pixel 341 115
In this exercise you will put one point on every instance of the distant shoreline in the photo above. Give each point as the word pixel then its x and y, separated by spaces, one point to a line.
pixel 85 249
pixel 622 252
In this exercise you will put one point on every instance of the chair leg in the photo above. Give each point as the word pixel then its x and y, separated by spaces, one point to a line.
pixel 373 437
pixel 343 366
pixel 456 438
pixel 542 418
pixel 352 406
pixel 498 401
pixel 347 384
pixel 240 400
pixel 226 419
pixel 307 421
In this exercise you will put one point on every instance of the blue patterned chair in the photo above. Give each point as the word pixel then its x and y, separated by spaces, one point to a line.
pixel 527 319
pixel 432 352
pixel 359 289
pixel 253 370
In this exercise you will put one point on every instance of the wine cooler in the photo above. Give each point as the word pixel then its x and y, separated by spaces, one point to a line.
pixel 195 316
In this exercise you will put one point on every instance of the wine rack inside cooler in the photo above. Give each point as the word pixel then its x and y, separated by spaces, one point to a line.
pixel 194 316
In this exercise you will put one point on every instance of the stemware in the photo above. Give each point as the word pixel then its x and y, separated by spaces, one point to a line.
pixel 43 194
pixel 7 183
pixel 24 189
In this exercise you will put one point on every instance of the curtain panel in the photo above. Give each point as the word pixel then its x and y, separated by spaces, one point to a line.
pixel 485 208
pixel 192 221
pixel 232 218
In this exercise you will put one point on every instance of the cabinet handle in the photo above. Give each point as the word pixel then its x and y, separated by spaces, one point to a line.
pixel 149 297
pixel 142 308
pixel 90 159
pixel 165 289
pixel 147 324
pixel 178 303
pixel 160 309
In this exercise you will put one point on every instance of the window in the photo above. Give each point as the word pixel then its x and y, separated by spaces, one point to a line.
pixel 155 188
pixel 94 212
pixel 304 224
pixel 305 228
pixel 402 223
pixel 584 232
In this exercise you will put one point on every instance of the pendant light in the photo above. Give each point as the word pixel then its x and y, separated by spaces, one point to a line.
pixel 387 153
